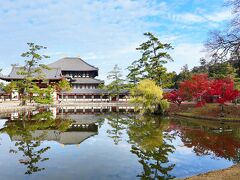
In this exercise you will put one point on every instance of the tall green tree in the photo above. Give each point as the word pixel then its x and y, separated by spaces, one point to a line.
pixel 116 86
pixel 221 70
pixel 203 68
pixel 32 71
pixel 185 74
pixel 151 64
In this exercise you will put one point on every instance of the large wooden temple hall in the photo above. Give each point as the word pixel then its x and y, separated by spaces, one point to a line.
pixel 80 74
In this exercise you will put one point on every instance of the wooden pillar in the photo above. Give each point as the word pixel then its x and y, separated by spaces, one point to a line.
pixel 92 97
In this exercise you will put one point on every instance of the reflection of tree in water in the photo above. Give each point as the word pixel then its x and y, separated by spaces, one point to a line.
pixel 32 153
pixel 152 147
pixel 100 121
pixel 207 140
pixel 118 124
pixel 28 144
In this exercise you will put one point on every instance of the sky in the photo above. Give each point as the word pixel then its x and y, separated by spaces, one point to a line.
pixel 107 32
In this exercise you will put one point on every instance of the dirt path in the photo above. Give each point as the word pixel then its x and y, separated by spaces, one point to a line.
pixel 232 173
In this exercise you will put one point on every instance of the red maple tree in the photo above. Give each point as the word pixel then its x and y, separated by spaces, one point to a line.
pixel 204 90
pixel 223 90
pixel 175 97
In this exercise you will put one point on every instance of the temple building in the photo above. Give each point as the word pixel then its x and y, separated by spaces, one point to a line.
pixel 80 74
pixel 82 77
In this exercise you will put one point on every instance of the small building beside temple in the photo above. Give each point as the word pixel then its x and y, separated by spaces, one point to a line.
pixel 81 76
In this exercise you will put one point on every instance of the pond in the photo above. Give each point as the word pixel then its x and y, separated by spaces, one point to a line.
pixel 103 144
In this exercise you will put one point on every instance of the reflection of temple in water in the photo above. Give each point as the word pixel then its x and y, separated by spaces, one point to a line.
pixel 81 127
pixel 86 112
pixel 84 122
pixel 94 109
pixel 76 134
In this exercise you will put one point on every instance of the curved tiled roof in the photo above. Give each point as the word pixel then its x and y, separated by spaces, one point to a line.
pixel 86 81
pixel 66 138
pixel 72 64
pixel 50 74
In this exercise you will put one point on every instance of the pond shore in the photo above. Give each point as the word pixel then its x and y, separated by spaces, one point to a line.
pixel 231 173
pixel 209 112
pixel 13 106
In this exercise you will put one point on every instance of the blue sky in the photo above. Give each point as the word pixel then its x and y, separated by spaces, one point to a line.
pixel 106 32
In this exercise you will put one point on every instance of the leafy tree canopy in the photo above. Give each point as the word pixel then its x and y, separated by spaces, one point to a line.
pixel 149 97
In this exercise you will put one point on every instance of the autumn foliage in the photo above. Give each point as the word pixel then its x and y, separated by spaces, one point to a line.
pixel 204 90
pixel 175 97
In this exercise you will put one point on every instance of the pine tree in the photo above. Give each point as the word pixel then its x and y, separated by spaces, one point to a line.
pixel 32 71
pixel 117 83
pixel 150 65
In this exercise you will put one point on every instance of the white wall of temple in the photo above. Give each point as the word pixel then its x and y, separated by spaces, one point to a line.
pixel 84 86
pixel 78 74
pixel 90 98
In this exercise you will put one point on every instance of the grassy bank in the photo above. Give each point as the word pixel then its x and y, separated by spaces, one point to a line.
pixel 231 173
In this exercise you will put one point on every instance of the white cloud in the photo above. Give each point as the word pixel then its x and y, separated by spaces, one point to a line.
pixel 220 16
pixel 191 18
pixel 185 53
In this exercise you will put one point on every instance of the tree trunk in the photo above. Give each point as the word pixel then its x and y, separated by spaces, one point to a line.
pixel 222 110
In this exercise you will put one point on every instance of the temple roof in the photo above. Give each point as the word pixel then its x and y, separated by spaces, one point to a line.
pixel 50 74
pixel 72 64
pixel 66 138
pixel 86 81
pixel 79 119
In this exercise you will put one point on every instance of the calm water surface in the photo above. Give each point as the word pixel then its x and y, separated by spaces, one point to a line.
pixel 57 144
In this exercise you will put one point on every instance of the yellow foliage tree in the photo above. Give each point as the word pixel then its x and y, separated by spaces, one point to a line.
pixel 148 97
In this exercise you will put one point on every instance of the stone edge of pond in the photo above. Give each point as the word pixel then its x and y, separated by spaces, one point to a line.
pixel 11 109
pixel 230 173
pixel 237 120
